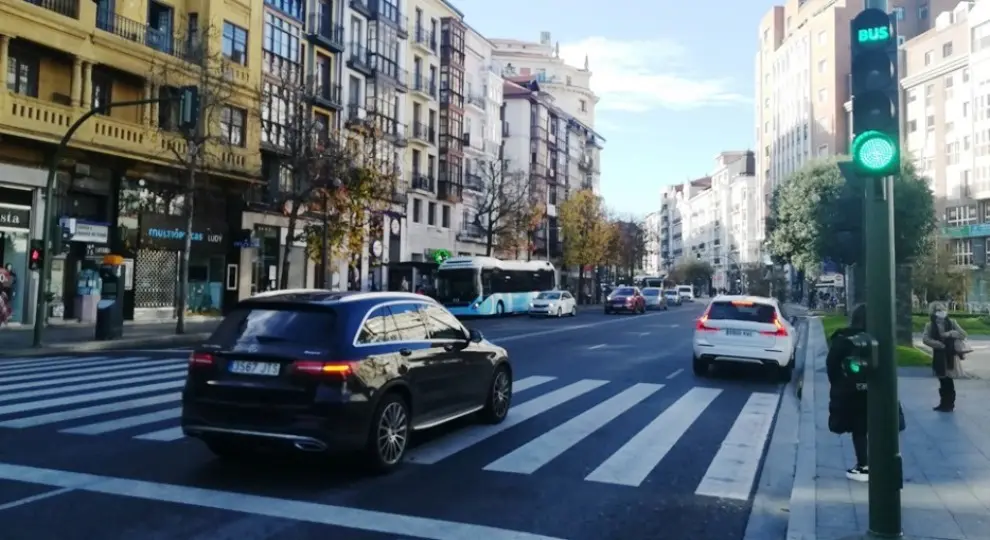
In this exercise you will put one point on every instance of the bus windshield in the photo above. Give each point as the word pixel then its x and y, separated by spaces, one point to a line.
pixel 461 285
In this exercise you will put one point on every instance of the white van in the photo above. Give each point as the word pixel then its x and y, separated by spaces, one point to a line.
pixel 686 292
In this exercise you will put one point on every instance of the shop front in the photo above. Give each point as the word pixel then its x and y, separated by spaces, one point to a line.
pixel 15 235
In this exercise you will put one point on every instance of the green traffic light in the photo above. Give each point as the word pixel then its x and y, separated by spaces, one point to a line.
pixel 854 367
pixel 874 151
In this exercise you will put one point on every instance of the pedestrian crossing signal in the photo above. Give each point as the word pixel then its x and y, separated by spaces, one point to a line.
pixel 36 256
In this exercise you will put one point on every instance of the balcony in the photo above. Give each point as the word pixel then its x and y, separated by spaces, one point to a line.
pixel 68 8
pixel 450 191
pixel 34 118
pixel 396 133
pixel 478 101
pixel 424 134
pixel 323 32
pixel 424 86
pixel 425 40
pixel 359 59
pixel 357 116
pixel 328 95
pixel 473 181
pixel 422 182
pixel 388 13
pixel 141 33
pixel 472 233
pixel 389 72
pixel 362 7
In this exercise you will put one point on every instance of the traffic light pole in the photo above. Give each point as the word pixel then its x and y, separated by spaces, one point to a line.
pixel 886 479
pixel 46 230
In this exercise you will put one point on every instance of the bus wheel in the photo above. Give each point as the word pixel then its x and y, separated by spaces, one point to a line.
pixel 499 309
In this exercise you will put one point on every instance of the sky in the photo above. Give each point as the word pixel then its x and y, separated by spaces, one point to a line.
pixel 675 82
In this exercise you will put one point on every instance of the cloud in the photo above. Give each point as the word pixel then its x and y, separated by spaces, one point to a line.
pixel 639 76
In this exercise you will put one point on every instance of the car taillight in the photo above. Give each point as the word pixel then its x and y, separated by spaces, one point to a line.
pixel 323 369
pixel 199 359
pixel 700 325
pixel 780 331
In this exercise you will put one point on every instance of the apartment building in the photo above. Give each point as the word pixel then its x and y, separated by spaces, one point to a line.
pixel 946 129
pixel 652 258
pixel 802 81
pixel 482 140
pixel 570 88
pixel 116 187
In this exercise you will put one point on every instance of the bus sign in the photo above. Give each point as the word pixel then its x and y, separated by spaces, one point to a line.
pixel 876 34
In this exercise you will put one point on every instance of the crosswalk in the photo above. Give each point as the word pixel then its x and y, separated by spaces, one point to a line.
pixel 139 397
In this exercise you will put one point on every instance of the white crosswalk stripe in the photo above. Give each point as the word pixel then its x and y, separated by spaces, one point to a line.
pixel 139 397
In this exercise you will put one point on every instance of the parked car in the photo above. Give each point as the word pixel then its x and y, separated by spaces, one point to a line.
pixel 747 330
pixel 324 371
pixel 673 297
pixel 553 303
pixel 654 298
pixel 625 299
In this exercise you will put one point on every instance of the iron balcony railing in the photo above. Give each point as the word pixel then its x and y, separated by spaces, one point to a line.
pixel 473 181
pixel 425 38
pixel 424 132
pixel 423 182
pixel 424 85
pixel 143 34
pixel 69 8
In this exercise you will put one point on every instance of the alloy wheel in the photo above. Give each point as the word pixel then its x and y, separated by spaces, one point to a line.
pixel 393 427
pixel 501 393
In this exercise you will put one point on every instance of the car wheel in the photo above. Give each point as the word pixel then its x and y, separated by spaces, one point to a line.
pixel 229 450
pixel 574 311
pixel 499 309
pixel 499 397
pixel 389 434
pixel 700 367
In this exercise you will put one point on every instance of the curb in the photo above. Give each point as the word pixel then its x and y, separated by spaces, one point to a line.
pixel 110 345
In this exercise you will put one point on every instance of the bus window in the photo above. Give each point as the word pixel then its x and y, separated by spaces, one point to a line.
pixel 486 282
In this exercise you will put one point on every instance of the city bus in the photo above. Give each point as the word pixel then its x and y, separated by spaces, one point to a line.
pixel 649 281
pixel 486 286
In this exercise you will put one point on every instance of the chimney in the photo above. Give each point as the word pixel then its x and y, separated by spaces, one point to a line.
pixel 544 38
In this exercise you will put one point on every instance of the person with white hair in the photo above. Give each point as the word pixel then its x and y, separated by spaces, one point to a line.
pixel 945 337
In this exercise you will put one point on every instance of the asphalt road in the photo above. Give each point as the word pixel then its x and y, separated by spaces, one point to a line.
pixel 610 437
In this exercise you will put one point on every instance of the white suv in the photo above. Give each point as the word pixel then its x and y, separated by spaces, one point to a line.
pixel 747 330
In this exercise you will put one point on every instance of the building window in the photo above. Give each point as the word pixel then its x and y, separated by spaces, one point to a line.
pixel 235 40
pixel 445 217
pixel 292 8
pixel 822 65
pixel 821 95
pixel 431 214
pixel 417 213
pixel 928 58
pixel 912 126
pixel 899 13
pixel 22 73
pixel 102 90
pixel 584 105
pixel 276 114
pixel 946 49
pixel 282 49
pixel 232 125
pixel 923 12
pixel 822 37
pixel 962 251
pixel 930 122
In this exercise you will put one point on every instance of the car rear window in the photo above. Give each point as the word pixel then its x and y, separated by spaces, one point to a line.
pixel 684 289
pixel 291 325
pixel 742 311
pixel 624 291
pixel 651 292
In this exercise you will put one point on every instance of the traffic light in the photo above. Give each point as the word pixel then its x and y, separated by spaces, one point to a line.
pixel 876 144
pixel 36 256
pixel 862 358
pixel 188 108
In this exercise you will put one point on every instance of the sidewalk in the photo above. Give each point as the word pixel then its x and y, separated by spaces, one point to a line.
pixel 61 338
pixel 946 459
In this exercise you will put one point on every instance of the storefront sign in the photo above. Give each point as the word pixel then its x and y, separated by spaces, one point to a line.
pixel 75 230
pixel 15 218
pixel 168 233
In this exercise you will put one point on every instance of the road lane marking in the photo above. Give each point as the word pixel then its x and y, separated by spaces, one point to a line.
pixel 570 328
pixel 72 414
pixel 635 460
pixel 593 347
pixel 542 450
pixel 530 382
pixel 85 398
pixel 102 368
pixel 50 381
pixel 731 474
pixel 324 514
pixel 118 424
pixel 442 448
pixel 13 362
pixel 176 371
pixel 164 435
pixel 34 498
pixel 674 374
pixel 46 367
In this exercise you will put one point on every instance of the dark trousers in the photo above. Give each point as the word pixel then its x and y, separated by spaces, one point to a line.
pixel 946 392
pixel 860 446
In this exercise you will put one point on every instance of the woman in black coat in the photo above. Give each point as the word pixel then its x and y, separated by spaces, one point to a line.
pixel 847 400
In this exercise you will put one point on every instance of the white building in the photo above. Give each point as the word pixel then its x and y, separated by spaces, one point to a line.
pixel 483 132
pixel 652 259
pixel 569 86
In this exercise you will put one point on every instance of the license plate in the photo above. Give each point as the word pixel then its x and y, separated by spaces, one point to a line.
pixel 743 333
pixel 268 369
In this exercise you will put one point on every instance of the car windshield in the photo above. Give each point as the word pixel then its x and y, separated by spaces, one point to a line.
pixel 742 311
pixel 623 291
pixel 651 292
pixel 548 296
pixel 461 285
pixel 267 325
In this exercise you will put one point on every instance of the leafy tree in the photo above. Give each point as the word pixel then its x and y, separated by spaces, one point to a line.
pixel 816 216
pixel 528 216
pixel 935 275
pixel 630 245
pixel 693 272
pixel 198 151
pixel 503 210
pixel 586 232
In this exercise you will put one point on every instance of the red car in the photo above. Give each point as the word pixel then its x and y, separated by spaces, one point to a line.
pixel 628 299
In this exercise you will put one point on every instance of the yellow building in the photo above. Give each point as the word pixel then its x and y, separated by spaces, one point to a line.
pixel 120 184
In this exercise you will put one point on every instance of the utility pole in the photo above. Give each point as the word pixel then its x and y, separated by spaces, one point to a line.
pixel 875 162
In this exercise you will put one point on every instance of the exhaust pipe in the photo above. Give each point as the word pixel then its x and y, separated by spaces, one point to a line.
pixel 310 446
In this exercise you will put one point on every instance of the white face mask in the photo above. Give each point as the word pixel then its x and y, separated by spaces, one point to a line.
pixel 940 314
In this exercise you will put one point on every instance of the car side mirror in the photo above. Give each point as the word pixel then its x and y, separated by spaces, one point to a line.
pixel 475 336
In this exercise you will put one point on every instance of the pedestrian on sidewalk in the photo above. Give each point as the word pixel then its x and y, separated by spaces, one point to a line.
pixel 945 337
pixel 847 399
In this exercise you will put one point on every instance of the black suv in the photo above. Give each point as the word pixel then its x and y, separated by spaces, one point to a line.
pixel 324 371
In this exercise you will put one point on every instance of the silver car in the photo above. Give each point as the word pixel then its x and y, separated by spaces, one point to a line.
pixel 655 298
pixel 673 297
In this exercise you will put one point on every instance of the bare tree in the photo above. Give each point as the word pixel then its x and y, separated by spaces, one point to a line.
pixel 502 201
pixel 309 159
pixel 524 217
pixel 203 147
